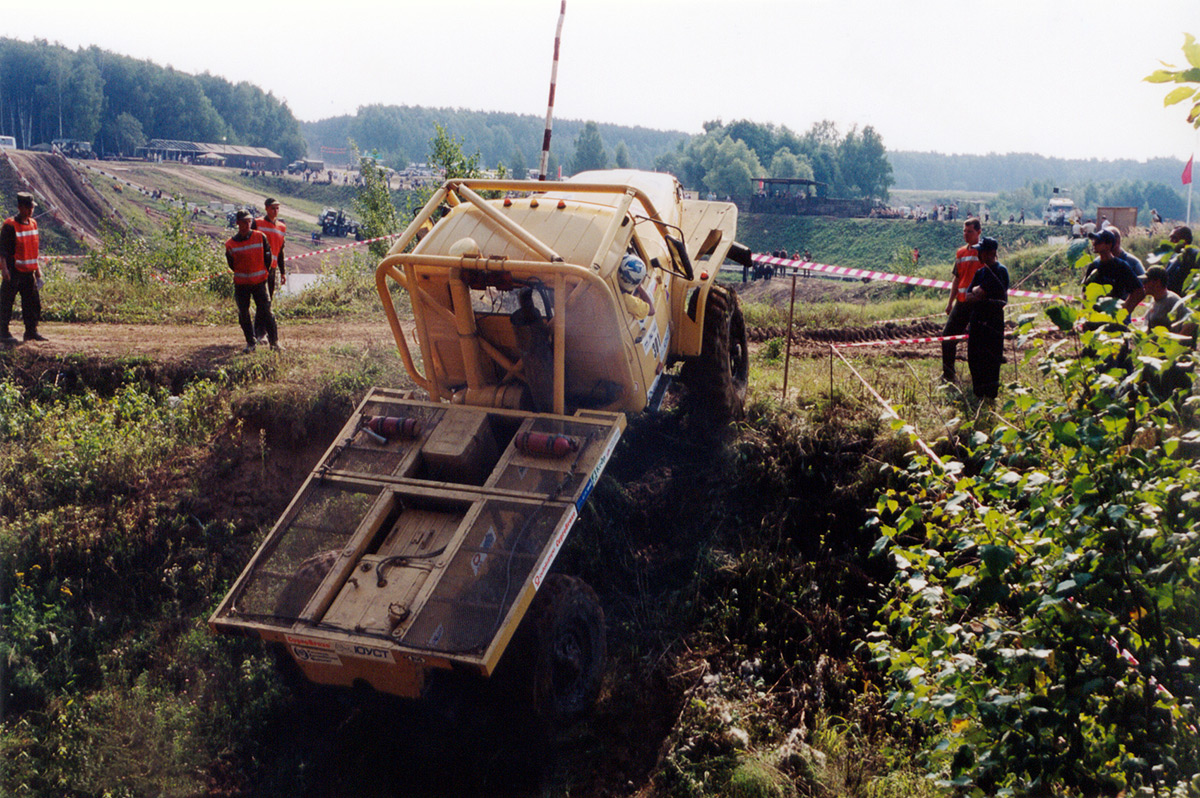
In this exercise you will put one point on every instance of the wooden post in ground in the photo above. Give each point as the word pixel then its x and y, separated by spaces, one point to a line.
pixel 831 351
pixel 787 340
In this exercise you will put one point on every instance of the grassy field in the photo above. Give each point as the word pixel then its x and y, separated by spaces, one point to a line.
pixel 873 243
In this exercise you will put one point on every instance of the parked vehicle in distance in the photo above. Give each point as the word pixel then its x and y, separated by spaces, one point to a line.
pixel 305 165
pixel 8 143
pixel 73 148
pixel 1058 212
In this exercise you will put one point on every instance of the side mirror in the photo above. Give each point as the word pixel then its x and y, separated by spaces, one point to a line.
pixel 741 255
pixel 680 257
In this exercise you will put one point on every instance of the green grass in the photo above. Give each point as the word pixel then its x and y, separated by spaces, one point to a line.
pixel 872 243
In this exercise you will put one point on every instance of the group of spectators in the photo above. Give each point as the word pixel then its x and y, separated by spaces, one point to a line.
pixel 979 293
pixel 255 255
pixel 767 271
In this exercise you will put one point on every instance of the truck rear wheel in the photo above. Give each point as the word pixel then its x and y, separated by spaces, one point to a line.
pixel 569 649
pixel 716 380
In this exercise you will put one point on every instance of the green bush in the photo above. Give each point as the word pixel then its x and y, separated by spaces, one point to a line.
pixel 1045 614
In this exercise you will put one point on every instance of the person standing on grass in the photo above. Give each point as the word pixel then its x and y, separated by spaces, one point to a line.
pixel 19 270
pixel 1110 271
pixel 270 226
pixel 249 257
pixel 986 297
pixel 966 262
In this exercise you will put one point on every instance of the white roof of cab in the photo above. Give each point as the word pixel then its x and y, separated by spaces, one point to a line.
pixel 661 188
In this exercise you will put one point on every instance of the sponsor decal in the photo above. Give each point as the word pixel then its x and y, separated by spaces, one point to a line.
pixel 560 537
pixel 480 557
pixel 330 652
pixel 316 656
pixel 600 464
pixel 650 338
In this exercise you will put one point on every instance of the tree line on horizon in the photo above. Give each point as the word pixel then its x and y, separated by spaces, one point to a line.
pixel 117 103
pixel 48 91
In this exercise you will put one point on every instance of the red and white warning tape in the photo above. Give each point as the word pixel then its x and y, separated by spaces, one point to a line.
pixel 1132 662
pixel 365 241
pixel 845 271
pixel 903 341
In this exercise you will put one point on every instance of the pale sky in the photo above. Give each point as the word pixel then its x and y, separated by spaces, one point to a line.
pixel 1046 76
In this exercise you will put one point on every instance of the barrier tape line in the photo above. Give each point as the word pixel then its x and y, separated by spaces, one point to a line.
pixel 291 258
pixel 797 266
pixel 938 338
pixel 903 341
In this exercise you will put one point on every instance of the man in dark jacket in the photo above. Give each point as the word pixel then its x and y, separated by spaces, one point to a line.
pixel 986 297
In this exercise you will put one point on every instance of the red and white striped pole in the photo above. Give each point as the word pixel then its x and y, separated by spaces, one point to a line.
pixel 545 164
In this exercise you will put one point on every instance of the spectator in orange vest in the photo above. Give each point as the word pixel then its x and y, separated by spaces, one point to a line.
pixel 270 226
pixel 20 271
pixel 249 257
pixel 958 316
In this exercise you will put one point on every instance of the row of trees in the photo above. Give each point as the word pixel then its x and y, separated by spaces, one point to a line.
pixel 934 171
pixel 725 158
pixel 400 134
pixel 1141 194
pixel 117 102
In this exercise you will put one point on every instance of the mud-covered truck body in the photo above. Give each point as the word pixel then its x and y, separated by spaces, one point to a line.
pixel 426 533
pixel 570 248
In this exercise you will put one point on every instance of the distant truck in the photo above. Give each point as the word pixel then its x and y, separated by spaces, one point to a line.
pixel 305 165
pixel 337 223
pixel 1059 211
pixel 73 148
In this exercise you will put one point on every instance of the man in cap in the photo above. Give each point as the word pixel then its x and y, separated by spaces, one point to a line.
pixel 270 226
pixel 966 262
pixel 985 298
pixel 1180 267
pixel 20 271
pixel 1134 262
pixel 1108 270
pixel 249 257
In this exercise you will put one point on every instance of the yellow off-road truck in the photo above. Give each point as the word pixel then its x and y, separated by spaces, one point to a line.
pixel 423 540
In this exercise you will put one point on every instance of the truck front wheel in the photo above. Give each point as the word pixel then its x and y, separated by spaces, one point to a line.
pixel 569 649
pixel 716 380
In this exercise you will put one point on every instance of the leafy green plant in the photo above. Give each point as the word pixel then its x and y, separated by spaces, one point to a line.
pixel 37 637
pixel 1044 619
pixel 374 205
pixel 1189 74
pixel 175 254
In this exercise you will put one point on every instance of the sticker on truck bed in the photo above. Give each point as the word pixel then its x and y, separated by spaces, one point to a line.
pixel 595 475
pixel 328 652
pixel 560 537
pixel 480 557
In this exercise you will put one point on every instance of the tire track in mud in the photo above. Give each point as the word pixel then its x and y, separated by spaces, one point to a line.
pixel 842 335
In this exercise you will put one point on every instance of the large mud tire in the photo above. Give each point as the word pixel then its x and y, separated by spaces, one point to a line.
pixel 566 626
pixel 716 381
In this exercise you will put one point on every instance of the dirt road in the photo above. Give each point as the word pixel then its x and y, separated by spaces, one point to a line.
pixel 197 176
pixel 203 346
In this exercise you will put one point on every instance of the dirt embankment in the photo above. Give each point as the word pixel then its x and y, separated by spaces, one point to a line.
pixel 61 192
